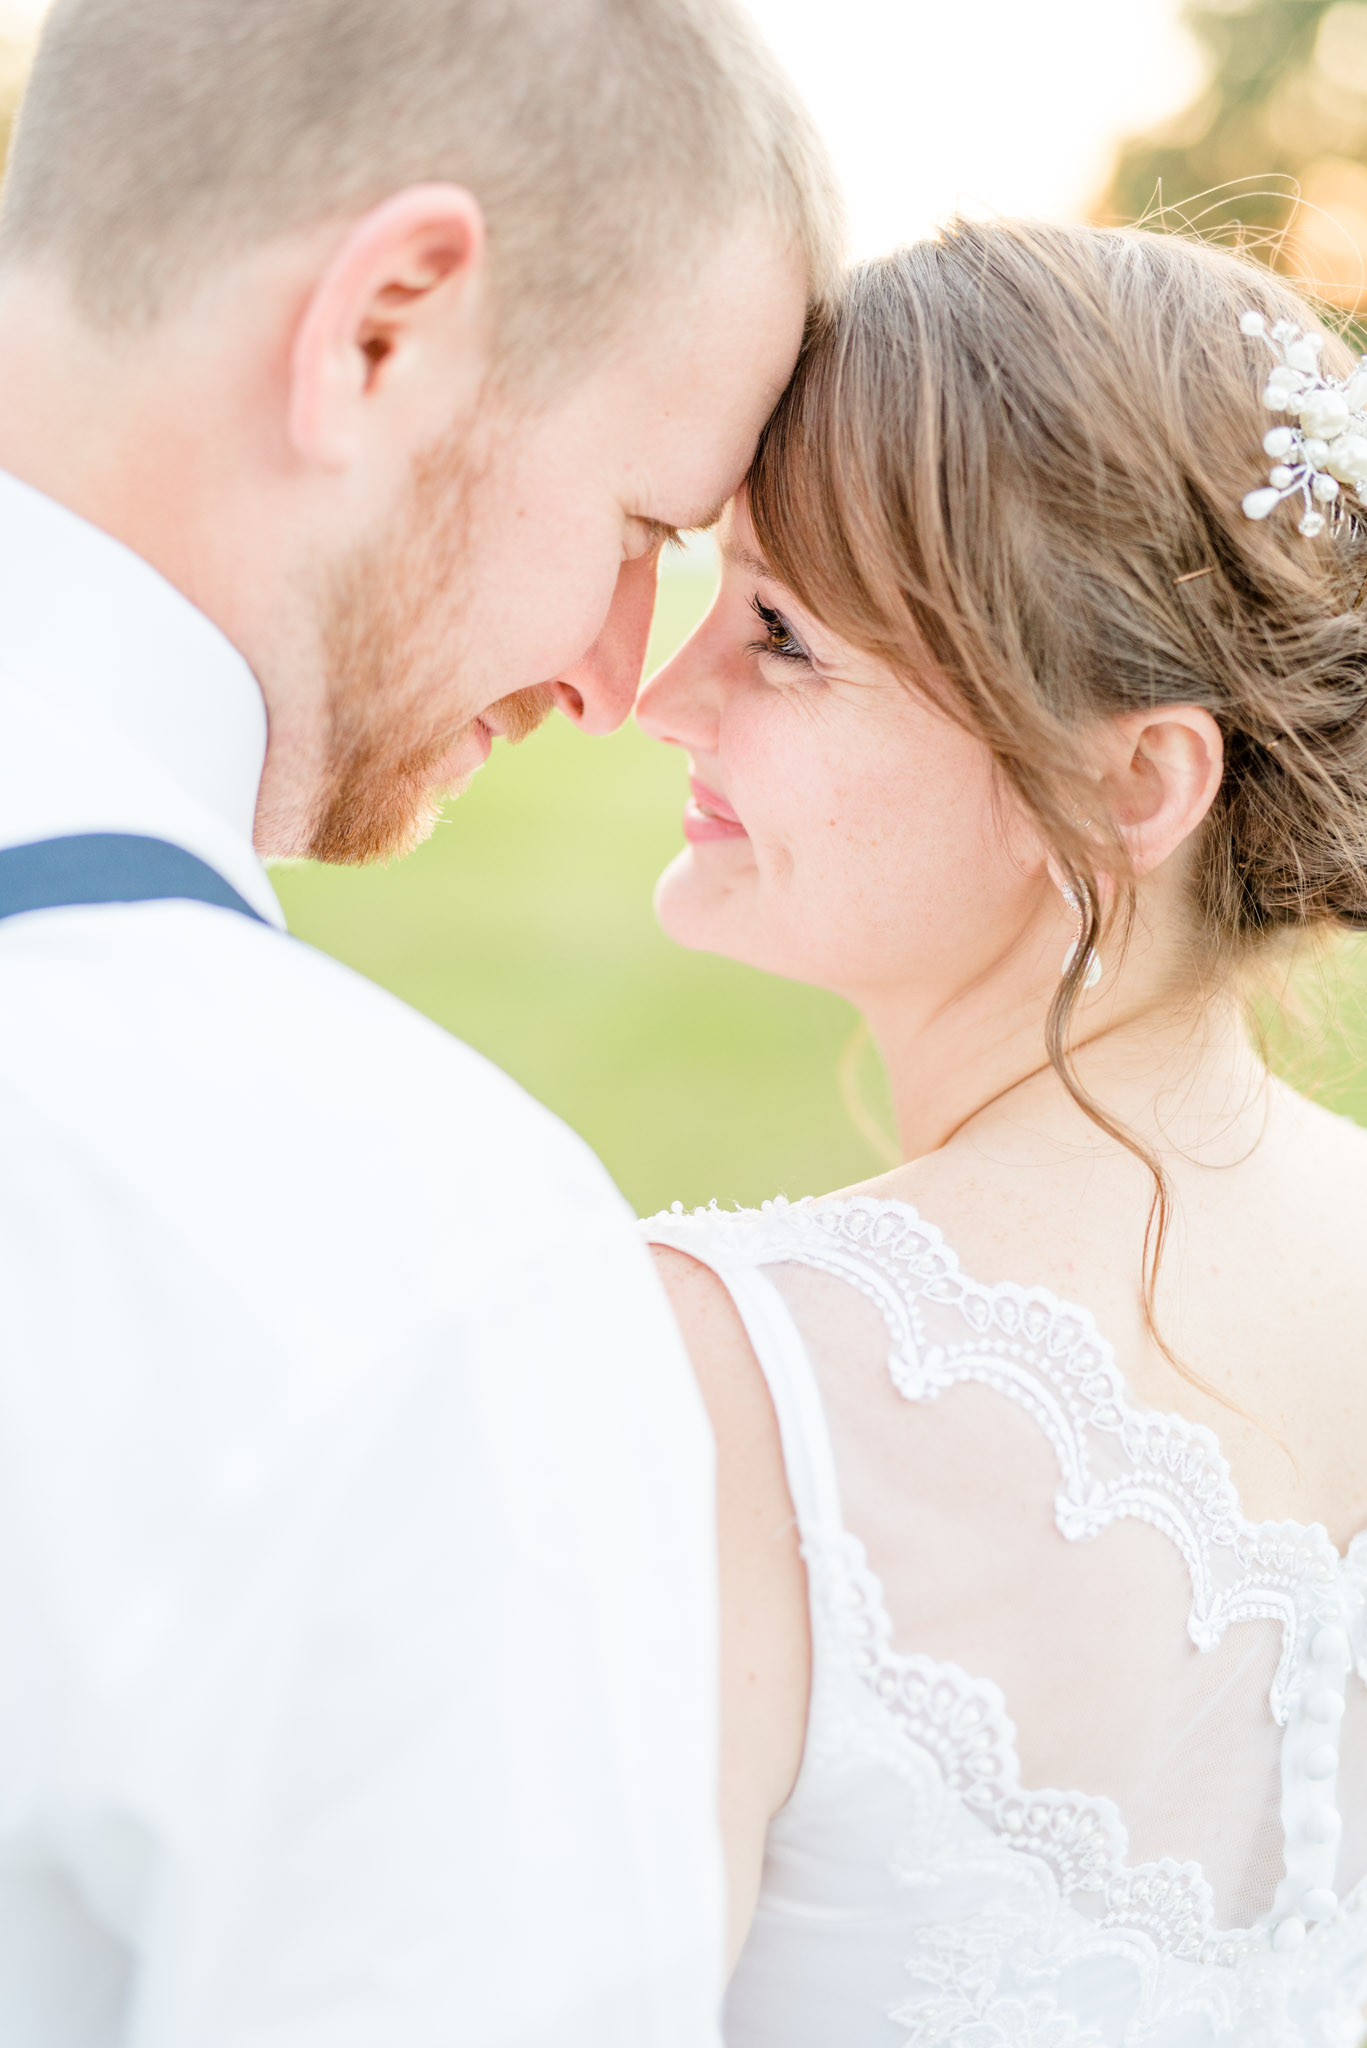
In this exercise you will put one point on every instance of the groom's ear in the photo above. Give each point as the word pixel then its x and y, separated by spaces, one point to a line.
pixel 393 326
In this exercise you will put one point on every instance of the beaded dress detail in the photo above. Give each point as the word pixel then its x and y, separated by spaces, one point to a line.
pixel 1086 1758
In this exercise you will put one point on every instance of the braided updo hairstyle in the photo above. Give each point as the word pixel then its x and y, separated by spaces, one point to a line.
pixel 1011 464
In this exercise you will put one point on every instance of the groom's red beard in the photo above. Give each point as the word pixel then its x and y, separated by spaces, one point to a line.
pixel 393 646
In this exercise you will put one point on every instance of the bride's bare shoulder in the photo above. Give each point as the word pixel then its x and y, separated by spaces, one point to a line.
pixel 729 1376
pixel 712 1329
pixel 1338 1137
pixel 765 1647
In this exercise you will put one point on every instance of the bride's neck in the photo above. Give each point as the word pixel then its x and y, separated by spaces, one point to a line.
pixel 1174 1072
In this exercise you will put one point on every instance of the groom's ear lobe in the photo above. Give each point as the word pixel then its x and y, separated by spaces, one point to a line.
pixel 394 324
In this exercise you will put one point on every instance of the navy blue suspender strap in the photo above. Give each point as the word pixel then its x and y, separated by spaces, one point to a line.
pixel 109 867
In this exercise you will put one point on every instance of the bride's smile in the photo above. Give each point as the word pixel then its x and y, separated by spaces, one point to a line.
pixel 708 818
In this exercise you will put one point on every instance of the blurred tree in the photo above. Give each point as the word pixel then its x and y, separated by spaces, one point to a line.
pixel 1274 151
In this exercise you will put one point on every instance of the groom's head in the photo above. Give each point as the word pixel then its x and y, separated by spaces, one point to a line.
pixel 399 333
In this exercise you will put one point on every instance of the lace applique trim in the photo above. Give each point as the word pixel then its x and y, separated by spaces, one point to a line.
pixel 1158 1916
pixel 989 2021
pixel 1048 1357
pixel 963 1724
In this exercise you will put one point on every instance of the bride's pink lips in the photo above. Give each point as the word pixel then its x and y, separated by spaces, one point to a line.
pixel 709 816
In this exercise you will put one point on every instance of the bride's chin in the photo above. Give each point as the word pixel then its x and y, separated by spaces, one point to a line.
pixel 691 906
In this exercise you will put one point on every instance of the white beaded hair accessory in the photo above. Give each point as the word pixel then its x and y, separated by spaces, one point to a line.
pixel 1326 451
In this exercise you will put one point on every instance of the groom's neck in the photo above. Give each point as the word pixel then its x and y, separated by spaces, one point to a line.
pixel 169 437
pixel 103 424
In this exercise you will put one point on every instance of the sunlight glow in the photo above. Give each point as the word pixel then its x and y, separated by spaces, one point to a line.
pixel 990 105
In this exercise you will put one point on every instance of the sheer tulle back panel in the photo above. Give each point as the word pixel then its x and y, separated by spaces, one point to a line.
pixel 954 1491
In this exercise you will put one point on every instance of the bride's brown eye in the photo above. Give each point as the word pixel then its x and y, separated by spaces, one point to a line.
pixel 779 638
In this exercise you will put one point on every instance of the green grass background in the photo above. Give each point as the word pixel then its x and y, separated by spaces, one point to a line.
pixel 524 926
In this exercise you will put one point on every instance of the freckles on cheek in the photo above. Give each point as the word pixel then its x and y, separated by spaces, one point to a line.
pixel 809 812
pixel 812 850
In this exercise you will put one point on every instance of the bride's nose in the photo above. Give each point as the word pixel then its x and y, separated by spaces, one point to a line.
pixel 679 703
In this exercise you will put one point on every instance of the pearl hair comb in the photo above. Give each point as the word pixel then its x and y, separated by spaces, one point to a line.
pixel 1326 451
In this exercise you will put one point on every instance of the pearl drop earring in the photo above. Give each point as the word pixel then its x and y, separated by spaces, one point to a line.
pixel 1093 974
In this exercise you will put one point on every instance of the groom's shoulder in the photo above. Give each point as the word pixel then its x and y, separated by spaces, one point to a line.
pixel 190 1039
pixel 415 1085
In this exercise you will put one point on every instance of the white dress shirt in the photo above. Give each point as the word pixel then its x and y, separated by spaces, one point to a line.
pixel 357 1631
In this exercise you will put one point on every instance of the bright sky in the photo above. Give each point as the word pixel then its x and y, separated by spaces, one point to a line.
pixel 1010 105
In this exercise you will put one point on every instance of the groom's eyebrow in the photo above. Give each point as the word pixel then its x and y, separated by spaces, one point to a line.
pixel 754 565
pixel 663 535
pixel 708 519
pixel 666 535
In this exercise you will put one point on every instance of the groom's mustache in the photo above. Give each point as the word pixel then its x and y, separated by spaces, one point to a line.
pixel 515 718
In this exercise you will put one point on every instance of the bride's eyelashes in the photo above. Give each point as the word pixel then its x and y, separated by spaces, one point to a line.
pixel 780 641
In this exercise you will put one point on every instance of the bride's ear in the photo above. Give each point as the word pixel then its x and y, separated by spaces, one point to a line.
pixel 1159 771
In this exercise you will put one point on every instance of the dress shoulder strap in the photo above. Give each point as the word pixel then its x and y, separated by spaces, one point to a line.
pixel 807 1454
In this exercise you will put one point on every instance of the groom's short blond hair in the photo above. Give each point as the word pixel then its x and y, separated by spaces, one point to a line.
pixel 606 140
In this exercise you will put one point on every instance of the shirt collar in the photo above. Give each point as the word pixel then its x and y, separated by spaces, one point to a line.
pixel 127 708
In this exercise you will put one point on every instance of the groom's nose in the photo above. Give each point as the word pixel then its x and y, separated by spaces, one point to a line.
pixel 599 691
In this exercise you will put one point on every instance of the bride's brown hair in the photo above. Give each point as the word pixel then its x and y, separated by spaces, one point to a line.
pixel 1011 464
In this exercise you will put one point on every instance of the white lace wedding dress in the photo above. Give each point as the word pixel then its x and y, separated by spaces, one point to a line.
pixel 1087 1754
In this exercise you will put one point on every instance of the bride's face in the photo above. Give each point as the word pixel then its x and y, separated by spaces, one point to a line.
pixel 842 830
